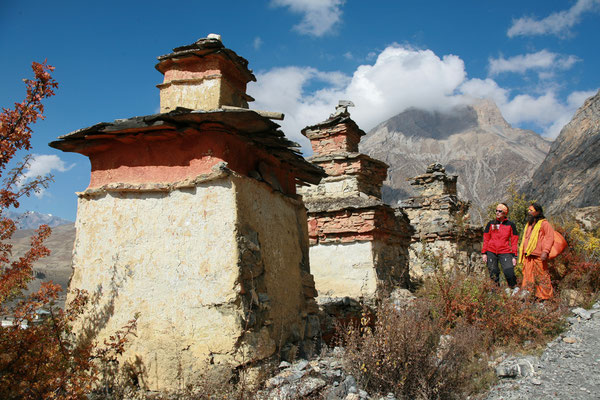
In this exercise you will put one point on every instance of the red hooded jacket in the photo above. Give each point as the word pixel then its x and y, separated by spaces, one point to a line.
pixel 500 237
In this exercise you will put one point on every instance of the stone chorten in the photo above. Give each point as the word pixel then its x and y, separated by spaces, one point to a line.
pixel 191 220
pixel 439 219
pixel 358 244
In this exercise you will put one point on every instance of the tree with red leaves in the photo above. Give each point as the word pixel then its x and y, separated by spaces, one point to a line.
pixel 15 134
pixel 37 361
pixel 43 360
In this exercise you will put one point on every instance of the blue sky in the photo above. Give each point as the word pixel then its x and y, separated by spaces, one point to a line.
pixel 538 60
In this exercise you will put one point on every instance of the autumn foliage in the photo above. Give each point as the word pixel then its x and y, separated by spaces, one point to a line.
pixel 40 357
pixel 410 353
pixel 15 134
pixel 37 360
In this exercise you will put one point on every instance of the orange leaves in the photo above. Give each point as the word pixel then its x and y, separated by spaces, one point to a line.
pixel 15 276
pixel 15 130
pixel 40 358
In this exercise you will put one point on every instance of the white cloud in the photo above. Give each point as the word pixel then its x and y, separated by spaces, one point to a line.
pixel 348 55
pixel 545 110
pixel 257 43
pixel 401 77
pixel 484 89
pixel 42 165
pixel 558 23
pixel 543 61
pixel 319 16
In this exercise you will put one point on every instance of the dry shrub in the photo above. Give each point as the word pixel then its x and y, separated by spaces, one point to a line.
pixel 218 382
pixel 456 299
pixel 406 353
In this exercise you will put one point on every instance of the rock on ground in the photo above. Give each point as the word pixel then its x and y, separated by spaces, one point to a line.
pixel 569 368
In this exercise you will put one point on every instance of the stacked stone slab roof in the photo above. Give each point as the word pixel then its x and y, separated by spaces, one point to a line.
pixel 204 103
pixel 247 127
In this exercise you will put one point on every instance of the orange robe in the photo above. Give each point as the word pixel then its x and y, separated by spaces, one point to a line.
pixel 535 271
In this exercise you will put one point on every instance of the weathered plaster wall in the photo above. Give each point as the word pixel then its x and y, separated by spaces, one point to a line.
pixel 463 254
pixel 341 137
pixel 218 272
pixel 343 186
pixel 202 86
pixel 350 224
pixel 336 187
pixel 172 258
pixel 344 269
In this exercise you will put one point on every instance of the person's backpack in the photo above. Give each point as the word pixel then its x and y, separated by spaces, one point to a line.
pixel 559 245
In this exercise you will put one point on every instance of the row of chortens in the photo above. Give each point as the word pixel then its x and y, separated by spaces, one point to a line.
pixel 208 223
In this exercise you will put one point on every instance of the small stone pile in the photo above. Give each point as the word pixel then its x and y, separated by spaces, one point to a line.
pixel 321 378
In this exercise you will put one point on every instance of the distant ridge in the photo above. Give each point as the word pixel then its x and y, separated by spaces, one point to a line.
pixel 474 142
pixel 32 219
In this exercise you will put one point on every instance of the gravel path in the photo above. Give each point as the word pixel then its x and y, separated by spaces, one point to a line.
pixel 569 368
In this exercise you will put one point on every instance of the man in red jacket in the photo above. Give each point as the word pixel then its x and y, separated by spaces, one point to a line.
pixel 500 244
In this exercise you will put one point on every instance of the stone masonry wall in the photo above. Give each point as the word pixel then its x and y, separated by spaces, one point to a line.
pixel 442 236
pixel 285 289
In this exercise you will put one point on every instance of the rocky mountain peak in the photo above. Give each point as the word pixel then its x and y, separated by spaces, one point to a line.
pixel 472 141
pixel 569 176
pixel 488 113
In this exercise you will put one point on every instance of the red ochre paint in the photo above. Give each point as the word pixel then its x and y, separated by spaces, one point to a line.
pixel 172 159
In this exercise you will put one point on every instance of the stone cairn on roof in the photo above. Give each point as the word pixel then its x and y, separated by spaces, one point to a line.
pixel 191 220
pixel 439 218
pixel 358 243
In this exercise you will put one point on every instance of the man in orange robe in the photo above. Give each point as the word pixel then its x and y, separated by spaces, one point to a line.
pixel 535 248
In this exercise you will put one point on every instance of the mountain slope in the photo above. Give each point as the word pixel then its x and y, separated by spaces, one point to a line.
pixel 57 266
pixel 473 142
pixel 569 177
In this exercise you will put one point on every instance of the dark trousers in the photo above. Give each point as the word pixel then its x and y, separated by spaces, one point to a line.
pixel 507 267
